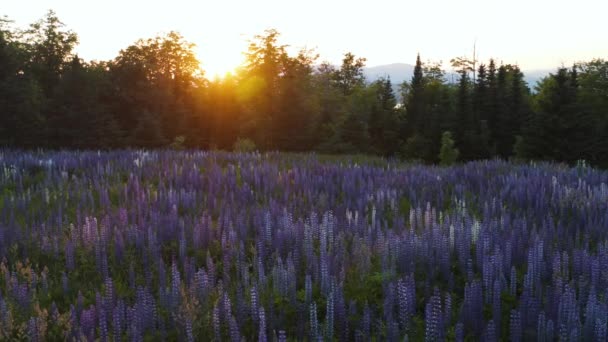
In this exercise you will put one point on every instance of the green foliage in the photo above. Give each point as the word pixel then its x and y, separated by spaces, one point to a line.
pixel 155 89
pixel 562 127
pixel 178 143
pixel 148 132
pixel 417 147
pixel 519 149
pixel 244 145
pixel 383 128
pixel 448 154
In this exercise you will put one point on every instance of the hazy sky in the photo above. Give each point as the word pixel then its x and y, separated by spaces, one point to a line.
pixel 533 33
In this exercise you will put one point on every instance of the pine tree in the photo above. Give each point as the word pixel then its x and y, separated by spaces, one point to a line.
pixel 466 132
pixel 480 115
pixel 519 113
pixel 561 128
pixel 415 102
pixel 383 121
pixel 492 106
pixel 503 143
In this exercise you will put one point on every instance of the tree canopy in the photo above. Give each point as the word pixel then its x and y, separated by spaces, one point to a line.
pixel 155 93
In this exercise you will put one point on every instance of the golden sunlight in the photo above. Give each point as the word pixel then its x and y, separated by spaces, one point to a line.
pixel 218 62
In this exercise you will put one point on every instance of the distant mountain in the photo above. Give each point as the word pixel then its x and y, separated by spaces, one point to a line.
pixel 533 76
pixel 399 72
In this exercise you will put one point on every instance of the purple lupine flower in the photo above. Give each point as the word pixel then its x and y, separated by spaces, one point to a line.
pixel 235 335
pixel 65 283
pixel 69 255
pixel 314 322
pixel 600 329
pixel 282 336
pixel 262 330
pixel 541 327
pixel 490 332
pixel 32 329
pixel 515 328
pixel 175 285
pixel 254 304
pixel 550 333
pixel 103 324
pixel 513 281
pixel 329 317
pixel 366 321
pixel 216 323
pixel 308 289
pixel 189 331
pixel 433 320
pixel 117 320
pixel 459 332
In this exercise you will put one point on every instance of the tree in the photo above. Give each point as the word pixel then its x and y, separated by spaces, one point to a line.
pixel 21 98
pixel 561 127
pixel 158 76
pixel 79 114
pixel 480 114
pixel 350 75
pixel 448 154
pixel 50 48
pixel 414 103
pixel 148 133
pixel 348 112
pixel 297 105
pixel 331 103
pixel 383 121
pixel 518 108
pixel 222 125
pixel 466 132
pixel 264 65
pixel 491 105
pixel 593 99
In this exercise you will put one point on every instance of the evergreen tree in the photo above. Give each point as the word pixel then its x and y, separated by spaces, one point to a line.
pixel 480 114
pixel 414 103
pixel 502 114
pixel 491 107
pixel 561 127
pixel 519 112
pixel 383 122
pixel 466 131
pixel 593 99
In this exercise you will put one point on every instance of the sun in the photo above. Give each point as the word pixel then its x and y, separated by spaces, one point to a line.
pixel 218 62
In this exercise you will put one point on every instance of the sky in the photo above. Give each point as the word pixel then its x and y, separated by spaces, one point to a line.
pixel 535 34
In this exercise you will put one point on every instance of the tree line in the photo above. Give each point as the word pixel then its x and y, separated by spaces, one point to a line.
pixel 155 94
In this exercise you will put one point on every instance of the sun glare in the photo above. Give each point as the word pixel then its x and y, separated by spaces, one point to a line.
pixel 217 63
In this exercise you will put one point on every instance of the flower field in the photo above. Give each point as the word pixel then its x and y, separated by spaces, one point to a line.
pixel 213 246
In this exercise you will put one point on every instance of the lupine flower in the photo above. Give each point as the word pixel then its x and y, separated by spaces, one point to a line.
pixel 291 226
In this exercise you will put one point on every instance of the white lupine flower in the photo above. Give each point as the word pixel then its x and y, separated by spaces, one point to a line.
pixel 451 236
pixel 475 230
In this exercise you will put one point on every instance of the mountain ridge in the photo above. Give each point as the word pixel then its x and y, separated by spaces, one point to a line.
pixel 400 72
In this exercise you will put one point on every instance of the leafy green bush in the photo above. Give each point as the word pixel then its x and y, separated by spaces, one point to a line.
pixel 417 148
pixel 178 143
pixel 448 153
pixel 519 148
pixel 244 145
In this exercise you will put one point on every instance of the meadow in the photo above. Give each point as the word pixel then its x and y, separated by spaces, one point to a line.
pixel 213 246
